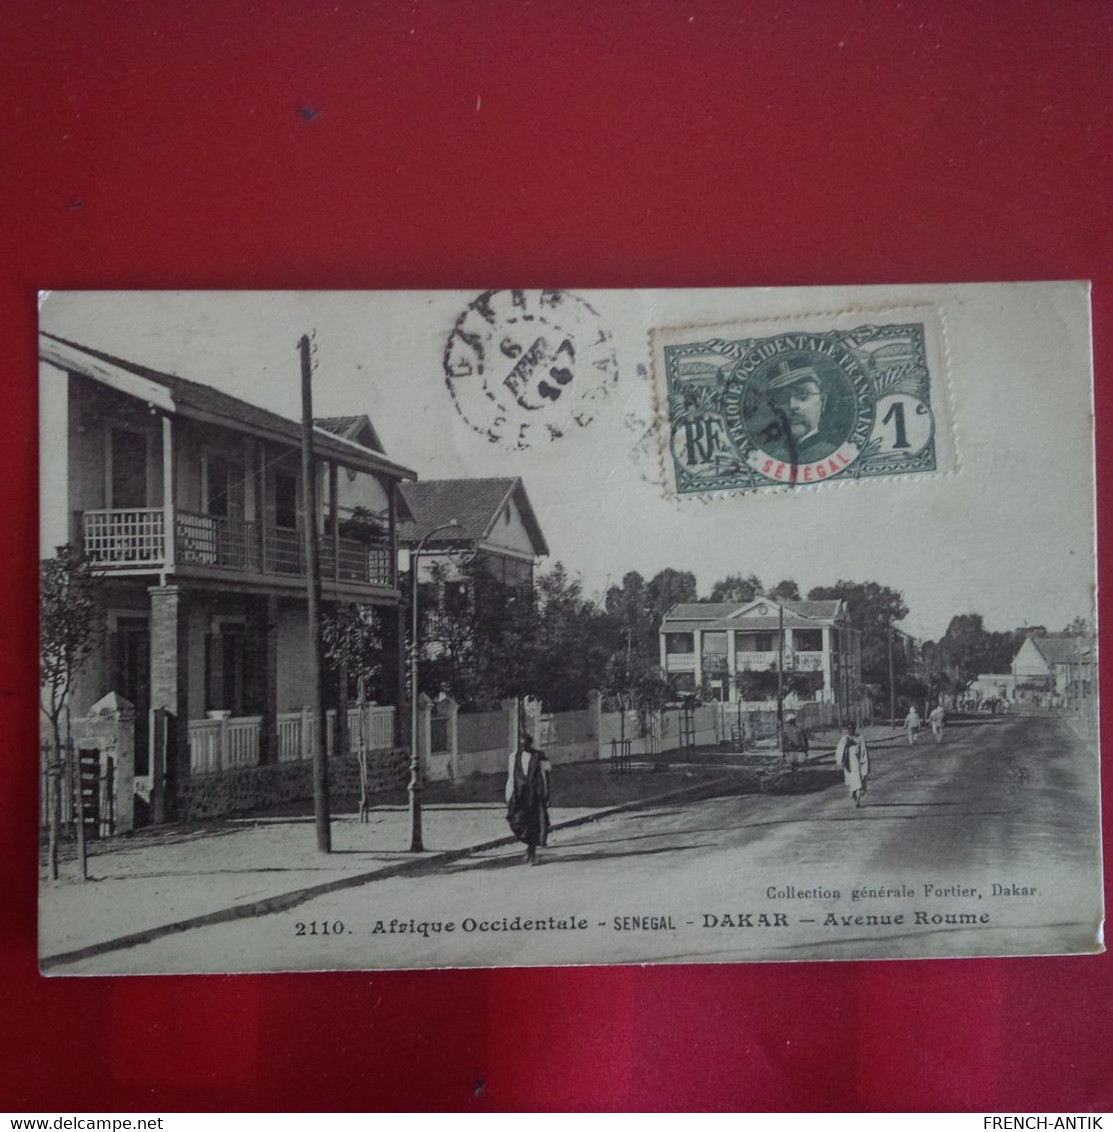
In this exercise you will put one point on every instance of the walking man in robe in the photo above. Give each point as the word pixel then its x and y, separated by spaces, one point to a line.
pixel 852 757
pixel 527 796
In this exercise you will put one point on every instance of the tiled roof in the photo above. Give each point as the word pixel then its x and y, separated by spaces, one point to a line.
pixel 1060 649
pixel 360 429
pixel 204 399
pixel 342 426
pixel 705 611
pixel 474 503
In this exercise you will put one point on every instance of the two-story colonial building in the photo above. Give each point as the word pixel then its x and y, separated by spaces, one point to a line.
pixel 189 502
pixel 722 647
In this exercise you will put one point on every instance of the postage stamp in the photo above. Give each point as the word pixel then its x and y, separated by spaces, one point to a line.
pixel 803 403
pixel 525 366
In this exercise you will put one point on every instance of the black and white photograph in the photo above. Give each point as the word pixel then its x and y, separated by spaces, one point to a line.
pixel 552 627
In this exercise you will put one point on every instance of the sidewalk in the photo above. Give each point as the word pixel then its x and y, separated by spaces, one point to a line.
pixel 172 878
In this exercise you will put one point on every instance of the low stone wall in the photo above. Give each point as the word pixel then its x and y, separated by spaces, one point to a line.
pixel 249 788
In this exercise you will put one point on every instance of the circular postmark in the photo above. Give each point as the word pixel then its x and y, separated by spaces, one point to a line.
pixel 799 407
pixel 525 366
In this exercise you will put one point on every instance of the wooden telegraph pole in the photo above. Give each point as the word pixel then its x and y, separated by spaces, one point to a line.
pixel 313 586
pixel 892 686
pixel 780 675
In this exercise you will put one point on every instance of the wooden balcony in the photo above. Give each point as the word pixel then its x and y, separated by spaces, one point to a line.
pixel 133 540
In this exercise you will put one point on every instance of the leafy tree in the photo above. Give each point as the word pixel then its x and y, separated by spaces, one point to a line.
pixel 352 643
pixel 787 590
pixel 546 641
pixel 638 608
pixel 968 649
pixel 352 640
pixel 1079 627
pixel 735 587
pixel 632 610
pixel 874 609
pixel 667 587
pixel 70 628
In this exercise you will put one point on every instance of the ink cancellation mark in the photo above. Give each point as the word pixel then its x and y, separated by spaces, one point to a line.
pixel 524 367
pixel 799 408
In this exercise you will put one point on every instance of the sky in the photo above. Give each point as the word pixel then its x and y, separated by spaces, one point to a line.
pixel 1006 532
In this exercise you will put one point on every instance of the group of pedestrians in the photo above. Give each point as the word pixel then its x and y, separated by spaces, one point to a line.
pixel 528 773
pixel 936 718
pixel 852 752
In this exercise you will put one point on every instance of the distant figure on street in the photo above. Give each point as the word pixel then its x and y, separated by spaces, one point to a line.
pixel 912 724
pixel 852 757
pixel 937 718
pixel 527 796
pixel 794 743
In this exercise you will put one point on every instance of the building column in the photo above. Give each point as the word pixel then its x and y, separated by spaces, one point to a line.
pixel 732 661
pixel 829 694
pixel 170 684
pixel 334 520
pixel 697 672
pixel 268 739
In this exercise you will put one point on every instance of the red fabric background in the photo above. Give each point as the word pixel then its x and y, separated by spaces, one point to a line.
pixel 621 145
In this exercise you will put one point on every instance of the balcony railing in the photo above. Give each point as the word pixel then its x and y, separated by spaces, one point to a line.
pixel 134 538
pixel 124 537
pixel 745 661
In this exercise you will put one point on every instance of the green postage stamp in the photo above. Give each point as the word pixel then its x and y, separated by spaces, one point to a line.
pixel 798 403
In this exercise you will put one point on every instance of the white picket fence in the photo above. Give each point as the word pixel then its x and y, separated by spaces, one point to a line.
pixel 231 743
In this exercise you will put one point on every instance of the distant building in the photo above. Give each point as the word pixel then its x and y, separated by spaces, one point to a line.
pixel 712 644
pixel 1055 665
pixel 994 686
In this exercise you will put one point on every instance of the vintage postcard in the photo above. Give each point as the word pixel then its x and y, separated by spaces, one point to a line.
pixel 449 629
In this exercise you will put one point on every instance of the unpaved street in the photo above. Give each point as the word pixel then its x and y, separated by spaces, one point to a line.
pixel 985 845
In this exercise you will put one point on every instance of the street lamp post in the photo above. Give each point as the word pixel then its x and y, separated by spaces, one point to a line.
pixel 416 843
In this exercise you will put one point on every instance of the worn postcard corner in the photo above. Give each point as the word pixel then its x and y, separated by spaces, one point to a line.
pixel 377 630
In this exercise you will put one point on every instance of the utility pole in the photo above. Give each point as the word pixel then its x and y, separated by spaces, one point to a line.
pixel 780 674
pixel 892 688
pixel 313 594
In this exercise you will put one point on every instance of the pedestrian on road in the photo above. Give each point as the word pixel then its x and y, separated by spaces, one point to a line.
pixel 527 796
pixel 852 757
pixel 912 725
pixel 938 717
pixel 794 743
